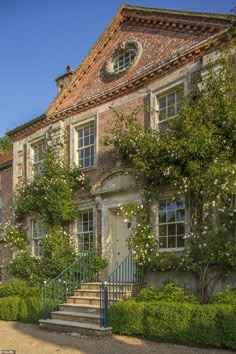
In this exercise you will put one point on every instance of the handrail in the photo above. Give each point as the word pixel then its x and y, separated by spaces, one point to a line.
pixel 55 292
pixel 118 284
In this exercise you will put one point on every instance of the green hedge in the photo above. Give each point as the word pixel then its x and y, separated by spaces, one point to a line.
pixel 16 308
pixel 18 287
pixel 191 324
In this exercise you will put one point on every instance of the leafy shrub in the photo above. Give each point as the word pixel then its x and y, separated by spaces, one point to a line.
pixel 227 296
pixel 9 308
pixel 169 292
pixel 185 323
pixel 16 308
pixel 18 287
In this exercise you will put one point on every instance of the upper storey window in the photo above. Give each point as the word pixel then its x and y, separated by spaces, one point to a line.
pixel 169 106
pixel 122 61
pixel 86 146
pixel 38 151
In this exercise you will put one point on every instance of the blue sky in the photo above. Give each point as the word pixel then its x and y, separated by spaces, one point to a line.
pixel 40 38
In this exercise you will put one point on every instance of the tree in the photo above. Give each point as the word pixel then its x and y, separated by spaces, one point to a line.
pixel 196 155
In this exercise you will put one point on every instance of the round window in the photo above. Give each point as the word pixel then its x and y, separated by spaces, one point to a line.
pixel 122 61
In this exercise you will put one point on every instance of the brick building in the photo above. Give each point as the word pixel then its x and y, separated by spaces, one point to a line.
pixel 145 57
pixel 6 179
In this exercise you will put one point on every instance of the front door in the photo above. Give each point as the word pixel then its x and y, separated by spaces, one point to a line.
pixel 121 233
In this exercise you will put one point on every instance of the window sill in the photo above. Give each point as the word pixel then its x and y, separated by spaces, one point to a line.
pixel 179 249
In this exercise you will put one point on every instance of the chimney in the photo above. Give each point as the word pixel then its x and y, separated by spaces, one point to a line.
pixel 64 79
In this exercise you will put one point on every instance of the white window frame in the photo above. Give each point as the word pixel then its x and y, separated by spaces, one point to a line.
pixel 174 222
pixel 165 89
pixel 36 164
pixel 37 237
pixel 74 141
pixel 124 60
pixel 82 232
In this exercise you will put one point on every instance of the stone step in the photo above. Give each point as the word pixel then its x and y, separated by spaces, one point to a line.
pixel 91 286
pixel 76 317
pixel 86 329
pixel 95 293
pixel 88 300
pixel 80 308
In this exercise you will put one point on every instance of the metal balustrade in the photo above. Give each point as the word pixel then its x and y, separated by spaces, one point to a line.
pixel 118 285
pixel 57 290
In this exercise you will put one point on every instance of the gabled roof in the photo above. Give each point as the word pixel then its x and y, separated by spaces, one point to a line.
pixel 169 39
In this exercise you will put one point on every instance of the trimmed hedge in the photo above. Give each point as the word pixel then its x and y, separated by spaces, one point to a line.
pixel 18 287
pixel 15 308
pixel 185 323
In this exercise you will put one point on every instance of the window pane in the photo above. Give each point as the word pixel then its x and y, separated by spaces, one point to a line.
pixel 180 241
pixel 180 215
pixel 171 99
pixel 180 229
pixel 162 205
pixel 86 140
pixel 171 216
pixel 162 217
pixel 163 242
pixel 162 103
pixel 171 204
pixel 171 242
pixel 171 230
pixel 162 230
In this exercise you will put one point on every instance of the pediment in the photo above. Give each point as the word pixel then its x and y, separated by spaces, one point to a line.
pixel 114 182
pixel 164 37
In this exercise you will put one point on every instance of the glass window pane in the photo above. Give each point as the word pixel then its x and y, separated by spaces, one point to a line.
pixel 162 217
pixel 162 205
pixel 171 229
pixel 171 216
pixel 86 131
pixel 86 140
pixel 180 229
pixel 180 215
pixel 162 103
pixel 162 230
pixel 171 204
pixel 163 242
pixel 171 99
pixel 171 242
pixel 171 111
pixel 180 241
pixel 180 203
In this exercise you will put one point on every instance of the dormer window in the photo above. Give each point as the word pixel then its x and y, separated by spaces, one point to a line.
pixel 122 61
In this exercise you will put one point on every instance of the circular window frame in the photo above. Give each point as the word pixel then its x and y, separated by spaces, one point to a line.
pixel 122 48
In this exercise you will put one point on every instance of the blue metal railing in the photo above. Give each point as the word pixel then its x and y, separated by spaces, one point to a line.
pixel 57 290
pixel 118 284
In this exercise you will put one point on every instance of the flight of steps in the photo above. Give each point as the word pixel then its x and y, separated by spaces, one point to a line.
pixel 81 313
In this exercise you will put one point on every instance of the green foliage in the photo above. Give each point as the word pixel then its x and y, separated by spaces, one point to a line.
pixel 49 197
pixel 26 267
pixel 14 236
pixel 5 144
pixel 183 323
pixel 168 293
pixel 196 155
pixel 226 296
pixel 16 308
pixel 126 317
pixel 58 253
pixel 142 239
pixel 18 287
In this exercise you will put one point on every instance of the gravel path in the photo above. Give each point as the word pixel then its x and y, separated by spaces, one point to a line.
pixel 30 339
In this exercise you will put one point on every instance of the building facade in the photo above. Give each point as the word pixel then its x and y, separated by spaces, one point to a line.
pixel 145 58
